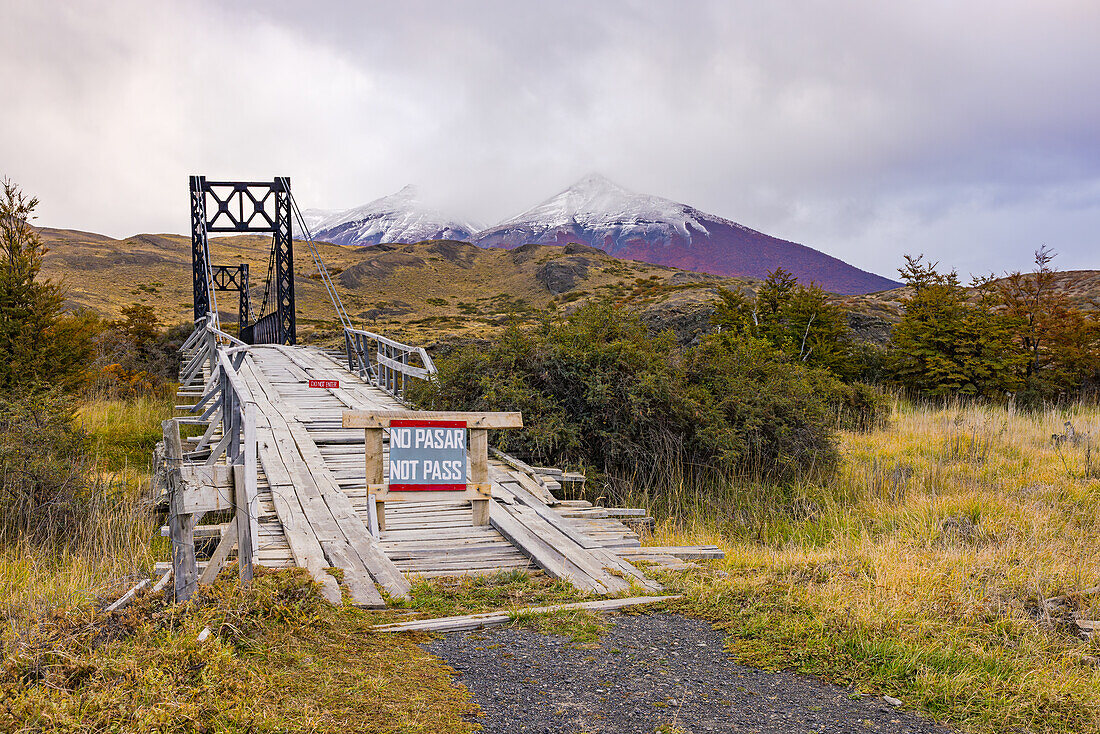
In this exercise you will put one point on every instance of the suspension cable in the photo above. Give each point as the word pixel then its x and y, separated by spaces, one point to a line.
pixel 267 282
pixel 333 295
pixel 212 298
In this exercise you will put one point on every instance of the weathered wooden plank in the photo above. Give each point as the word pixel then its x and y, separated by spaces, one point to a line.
pixel 548 558
pixel 341 516
pixel 359 584
pixel 683 552
pixel 204 488
pixel 181 525
pixel 588 559
pixel 526 476
pixel 491 619
pixel 127 597
pixel 381 418
pixel 299 532
pixel 221 553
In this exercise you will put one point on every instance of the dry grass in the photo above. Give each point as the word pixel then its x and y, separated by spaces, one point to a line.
pixel 419 292
pixel 279 659
pixel 120 540
pixel 921 572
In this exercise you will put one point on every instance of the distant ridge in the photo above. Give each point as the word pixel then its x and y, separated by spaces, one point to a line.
pixel 398 217
pixel 597 212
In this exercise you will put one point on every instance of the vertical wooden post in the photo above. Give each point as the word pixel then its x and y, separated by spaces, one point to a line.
pixel 247 499
pixel 375 471
pixel 479 474
pixel 212 350
pixel 244 542
pixel 181 526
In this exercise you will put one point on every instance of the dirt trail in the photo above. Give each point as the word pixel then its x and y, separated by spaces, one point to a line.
pixel 659 672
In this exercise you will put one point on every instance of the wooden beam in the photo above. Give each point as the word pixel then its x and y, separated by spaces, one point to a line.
pixel 408 369
pixel 205 489
pixel 359 584
pixel 494 619
pixel 221 553
pixel 542 553
pixel 246 517
pixel 128 596
pixel 181 525
pixel 683 552
pixel 329 511
pixel 382 418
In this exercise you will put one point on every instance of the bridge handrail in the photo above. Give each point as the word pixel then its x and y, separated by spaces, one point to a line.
pixel 227 337
pixel 385 362
pixel 223 393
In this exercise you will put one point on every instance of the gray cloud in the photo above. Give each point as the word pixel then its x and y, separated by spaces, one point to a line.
pixel 866 129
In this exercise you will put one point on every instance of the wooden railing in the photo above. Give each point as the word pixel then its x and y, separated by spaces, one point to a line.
pixel 199 481
pixel 385 363
pixel 201 350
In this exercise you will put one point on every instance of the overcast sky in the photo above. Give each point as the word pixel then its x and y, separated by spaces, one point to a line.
pixel 967 131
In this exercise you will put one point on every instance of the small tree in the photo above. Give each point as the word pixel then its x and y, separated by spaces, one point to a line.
pixel 40 344
pixel 796 319
pixel 948 343
pixel 1061 341
pixel 141 325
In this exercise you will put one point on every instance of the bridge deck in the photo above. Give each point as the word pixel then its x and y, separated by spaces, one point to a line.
pixel 314 510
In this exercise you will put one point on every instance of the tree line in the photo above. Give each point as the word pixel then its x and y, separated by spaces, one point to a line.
pixel 46 346
pixel 1022 337
pixel 52 491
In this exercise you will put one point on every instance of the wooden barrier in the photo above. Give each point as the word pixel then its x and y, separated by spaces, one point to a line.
pixel 478 487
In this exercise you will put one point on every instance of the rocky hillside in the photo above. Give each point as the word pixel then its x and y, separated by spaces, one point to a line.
pixel 429 291
pixel 597 212
pixel 424 291
pixel 600 213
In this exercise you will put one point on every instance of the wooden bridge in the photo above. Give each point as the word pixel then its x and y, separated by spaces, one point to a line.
pixel 273 476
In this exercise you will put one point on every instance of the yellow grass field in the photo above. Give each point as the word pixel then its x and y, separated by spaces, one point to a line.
pixel 921 572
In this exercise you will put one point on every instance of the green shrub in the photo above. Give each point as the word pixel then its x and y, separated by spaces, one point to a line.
pixel 44 489
pixel 597 391
pixel 860 407
pixel 41 344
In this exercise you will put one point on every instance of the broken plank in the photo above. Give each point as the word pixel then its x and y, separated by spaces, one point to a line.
pixel 493 619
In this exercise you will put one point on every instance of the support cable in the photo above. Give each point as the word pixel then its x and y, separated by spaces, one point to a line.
pixel 212 297
pixel 333 295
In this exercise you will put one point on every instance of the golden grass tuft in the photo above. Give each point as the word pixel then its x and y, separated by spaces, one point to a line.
pixel 120 541
pixel 922 570
pixel 278 659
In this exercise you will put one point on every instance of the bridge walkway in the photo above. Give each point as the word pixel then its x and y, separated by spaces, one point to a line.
pixel 314 512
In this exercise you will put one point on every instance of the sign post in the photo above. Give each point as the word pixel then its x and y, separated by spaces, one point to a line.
pixel 431 455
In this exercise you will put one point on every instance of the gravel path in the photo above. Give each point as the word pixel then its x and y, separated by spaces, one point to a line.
pixel 650 671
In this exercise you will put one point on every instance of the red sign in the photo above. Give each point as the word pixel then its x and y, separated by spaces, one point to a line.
pixel 427 455
pixel 324 383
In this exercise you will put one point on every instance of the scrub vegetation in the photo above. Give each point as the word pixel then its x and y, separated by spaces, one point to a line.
pixel 945 565
pixel 930 536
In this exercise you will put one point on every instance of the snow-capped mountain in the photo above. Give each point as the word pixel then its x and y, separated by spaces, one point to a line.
pixel 313 217
pixel 400 217
pixel 597 212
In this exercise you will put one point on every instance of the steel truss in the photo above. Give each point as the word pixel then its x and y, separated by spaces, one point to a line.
pixel 245 207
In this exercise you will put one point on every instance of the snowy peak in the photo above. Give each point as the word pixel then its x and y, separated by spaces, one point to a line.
pixel 601 213
pixel 597 212
pixel 399 217
pixel 595 201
